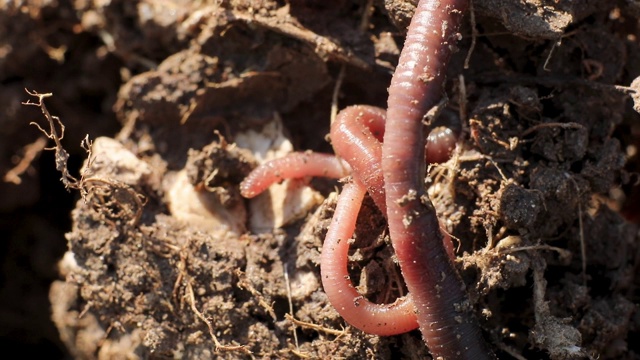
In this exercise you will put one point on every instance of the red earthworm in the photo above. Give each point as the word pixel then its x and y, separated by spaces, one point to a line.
pixel 388 319
pixel 355 135
pixel 294 165
pixel 443 310
pixel 440 144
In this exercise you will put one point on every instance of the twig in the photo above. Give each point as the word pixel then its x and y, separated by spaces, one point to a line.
pixel 323 46
pixel 554 81
pixel 244 283
pixel 568 125
pixel 218 346
pixel 315 327
pixel 474 34
pixel 288 285
pixel 545 67
pixel 366 15
pixel 61 156
pixel 583 246
pixel 301 355
pixel 336 93
pixel 31 152
pixel 112 198
pixel 565 254
pixel 509 350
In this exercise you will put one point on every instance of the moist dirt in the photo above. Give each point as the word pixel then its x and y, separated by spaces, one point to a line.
pixel 156 255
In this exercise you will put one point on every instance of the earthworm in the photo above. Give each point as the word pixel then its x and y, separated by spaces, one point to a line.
pixel 356 133
pixel 443 310
pixel 389 319
pixel 444 313
pixel 440 144
pixel 356 136
pixel 294 165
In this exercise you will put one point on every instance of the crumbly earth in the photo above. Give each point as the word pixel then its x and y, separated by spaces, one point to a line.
pixel 161 257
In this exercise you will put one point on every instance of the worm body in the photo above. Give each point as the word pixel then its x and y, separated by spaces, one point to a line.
pixel 437 300
pixel 444 313
pixel 389 319
pixel 356 136
pixel 294 165
pixel 440 144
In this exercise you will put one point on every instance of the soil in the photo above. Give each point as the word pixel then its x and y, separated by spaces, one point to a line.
pixel 152 253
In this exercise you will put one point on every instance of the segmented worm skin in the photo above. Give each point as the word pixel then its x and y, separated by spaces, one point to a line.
pixel 356 136
pixel 388 319
pixel 294 165
pixel 439 300
pixel 444 313
pixel 440 144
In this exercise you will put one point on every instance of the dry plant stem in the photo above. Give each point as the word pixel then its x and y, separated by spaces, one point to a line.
pixel 441 304
pixel 315 327
pixel 31 152
pixel 389 319
pixel 62 157
pixel 217 345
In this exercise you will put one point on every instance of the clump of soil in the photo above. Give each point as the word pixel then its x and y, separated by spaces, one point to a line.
pixel 164 258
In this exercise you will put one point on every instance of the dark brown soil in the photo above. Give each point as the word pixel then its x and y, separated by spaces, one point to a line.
pixel 162 258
